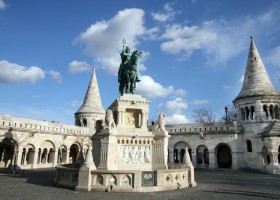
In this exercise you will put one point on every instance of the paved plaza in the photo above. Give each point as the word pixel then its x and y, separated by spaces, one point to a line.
pixel 212 184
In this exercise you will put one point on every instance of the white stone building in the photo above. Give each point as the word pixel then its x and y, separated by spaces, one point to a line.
pixel 253 141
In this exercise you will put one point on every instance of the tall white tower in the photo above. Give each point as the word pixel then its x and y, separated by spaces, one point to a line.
pixel 91 113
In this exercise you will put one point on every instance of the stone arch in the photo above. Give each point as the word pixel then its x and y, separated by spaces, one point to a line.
pixel 252 113
pixel 126 180
pixel 265 155
pixel 46 152
pixel 7 149
pixel 179 151
pixel 202 155
pixel 224 157
pixel 28 154
pixel 249 146
pixel 74 152
pixel 265 112
pixel 84 122
pixel 62 154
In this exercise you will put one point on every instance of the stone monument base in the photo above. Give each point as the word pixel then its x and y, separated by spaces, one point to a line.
pixel 127 180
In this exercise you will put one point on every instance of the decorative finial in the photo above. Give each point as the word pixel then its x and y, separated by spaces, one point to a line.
pixel 252 37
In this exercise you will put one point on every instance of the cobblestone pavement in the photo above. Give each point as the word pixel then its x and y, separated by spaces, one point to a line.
pixel 212 184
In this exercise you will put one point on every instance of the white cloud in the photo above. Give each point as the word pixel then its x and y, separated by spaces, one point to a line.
pixel 180 92
pixel 218 40
pixel 174 106
pixel 177 119
pixel 14 73
pixel 78 66
pixel 56 76
pixel 2 5
pixel 199 101
pixel 151 89
pixel 102 40
pixel 167 14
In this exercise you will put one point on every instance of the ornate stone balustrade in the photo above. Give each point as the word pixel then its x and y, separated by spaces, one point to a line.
pixel 35 126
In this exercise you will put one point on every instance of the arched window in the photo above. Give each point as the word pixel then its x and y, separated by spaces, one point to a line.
pixel 242 114
pixel 252 109
pixel 84 122
pixel 265 112
pixel 23 156
pixel 249 146
pixel 176 160
pixel 271 112
pixel 182 154
pixel 266 157
pixel 247 113
pixel 202 155
pixel 276 110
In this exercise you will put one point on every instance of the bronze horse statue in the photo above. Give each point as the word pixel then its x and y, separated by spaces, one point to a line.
pixel 128 74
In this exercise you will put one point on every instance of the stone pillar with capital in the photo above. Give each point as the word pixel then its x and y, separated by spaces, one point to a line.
pixel 212 160
pixel 34 164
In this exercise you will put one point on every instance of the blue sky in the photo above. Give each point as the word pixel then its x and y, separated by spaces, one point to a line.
pixel 194 53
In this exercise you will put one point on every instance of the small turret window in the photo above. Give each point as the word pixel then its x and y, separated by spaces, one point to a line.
pixel 249 146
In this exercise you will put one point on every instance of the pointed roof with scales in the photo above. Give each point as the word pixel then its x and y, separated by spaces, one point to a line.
pixel 256 80
pixel 92 101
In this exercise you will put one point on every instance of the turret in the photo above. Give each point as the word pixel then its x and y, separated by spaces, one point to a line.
pixel 258 100
pixel 91 113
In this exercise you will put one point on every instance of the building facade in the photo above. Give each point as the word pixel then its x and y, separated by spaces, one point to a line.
pixel 252 142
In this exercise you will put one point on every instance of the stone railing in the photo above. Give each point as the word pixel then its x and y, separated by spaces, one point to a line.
pixel 36 126
pixel 202 127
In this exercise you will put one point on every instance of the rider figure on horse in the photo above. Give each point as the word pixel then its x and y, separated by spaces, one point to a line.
pixel 122 73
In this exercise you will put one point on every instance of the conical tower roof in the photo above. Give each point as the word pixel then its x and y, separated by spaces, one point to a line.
pixel 92 101
pixel 256 80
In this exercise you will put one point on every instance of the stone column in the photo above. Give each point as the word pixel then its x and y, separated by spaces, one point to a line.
pixel 34 164
pixel 273 112
pixel 55 157
pixel 212 160
pixel 142 120
pixel 194 161
pixel 67 156
pixel 119 118
pixel 238 110
pixel 18 156
pixel 171 158
pixel 250 114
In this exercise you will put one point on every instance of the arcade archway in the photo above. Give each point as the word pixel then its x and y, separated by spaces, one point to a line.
pixel 224 158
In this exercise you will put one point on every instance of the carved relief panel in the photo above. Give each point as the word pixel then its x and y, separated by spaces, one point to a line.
pixel 129 154
pixel 132 118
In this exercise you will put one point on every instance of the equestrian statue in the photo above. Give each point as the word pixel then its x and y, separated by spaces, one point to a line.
pixel 128 74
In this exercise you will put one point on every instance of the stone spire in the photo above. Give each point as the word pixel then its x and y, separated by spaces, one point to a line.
pixel 256 81
pixel 92 101
pixel 91 110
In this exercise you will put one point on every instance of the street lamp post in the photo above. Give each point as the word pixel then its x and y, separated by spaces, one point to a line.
pixel 226 111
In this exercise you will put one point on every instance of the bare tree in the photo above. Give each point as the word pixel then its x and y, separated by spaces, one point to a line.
pixel 230 113
pixel 203 115
pixel 17 138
